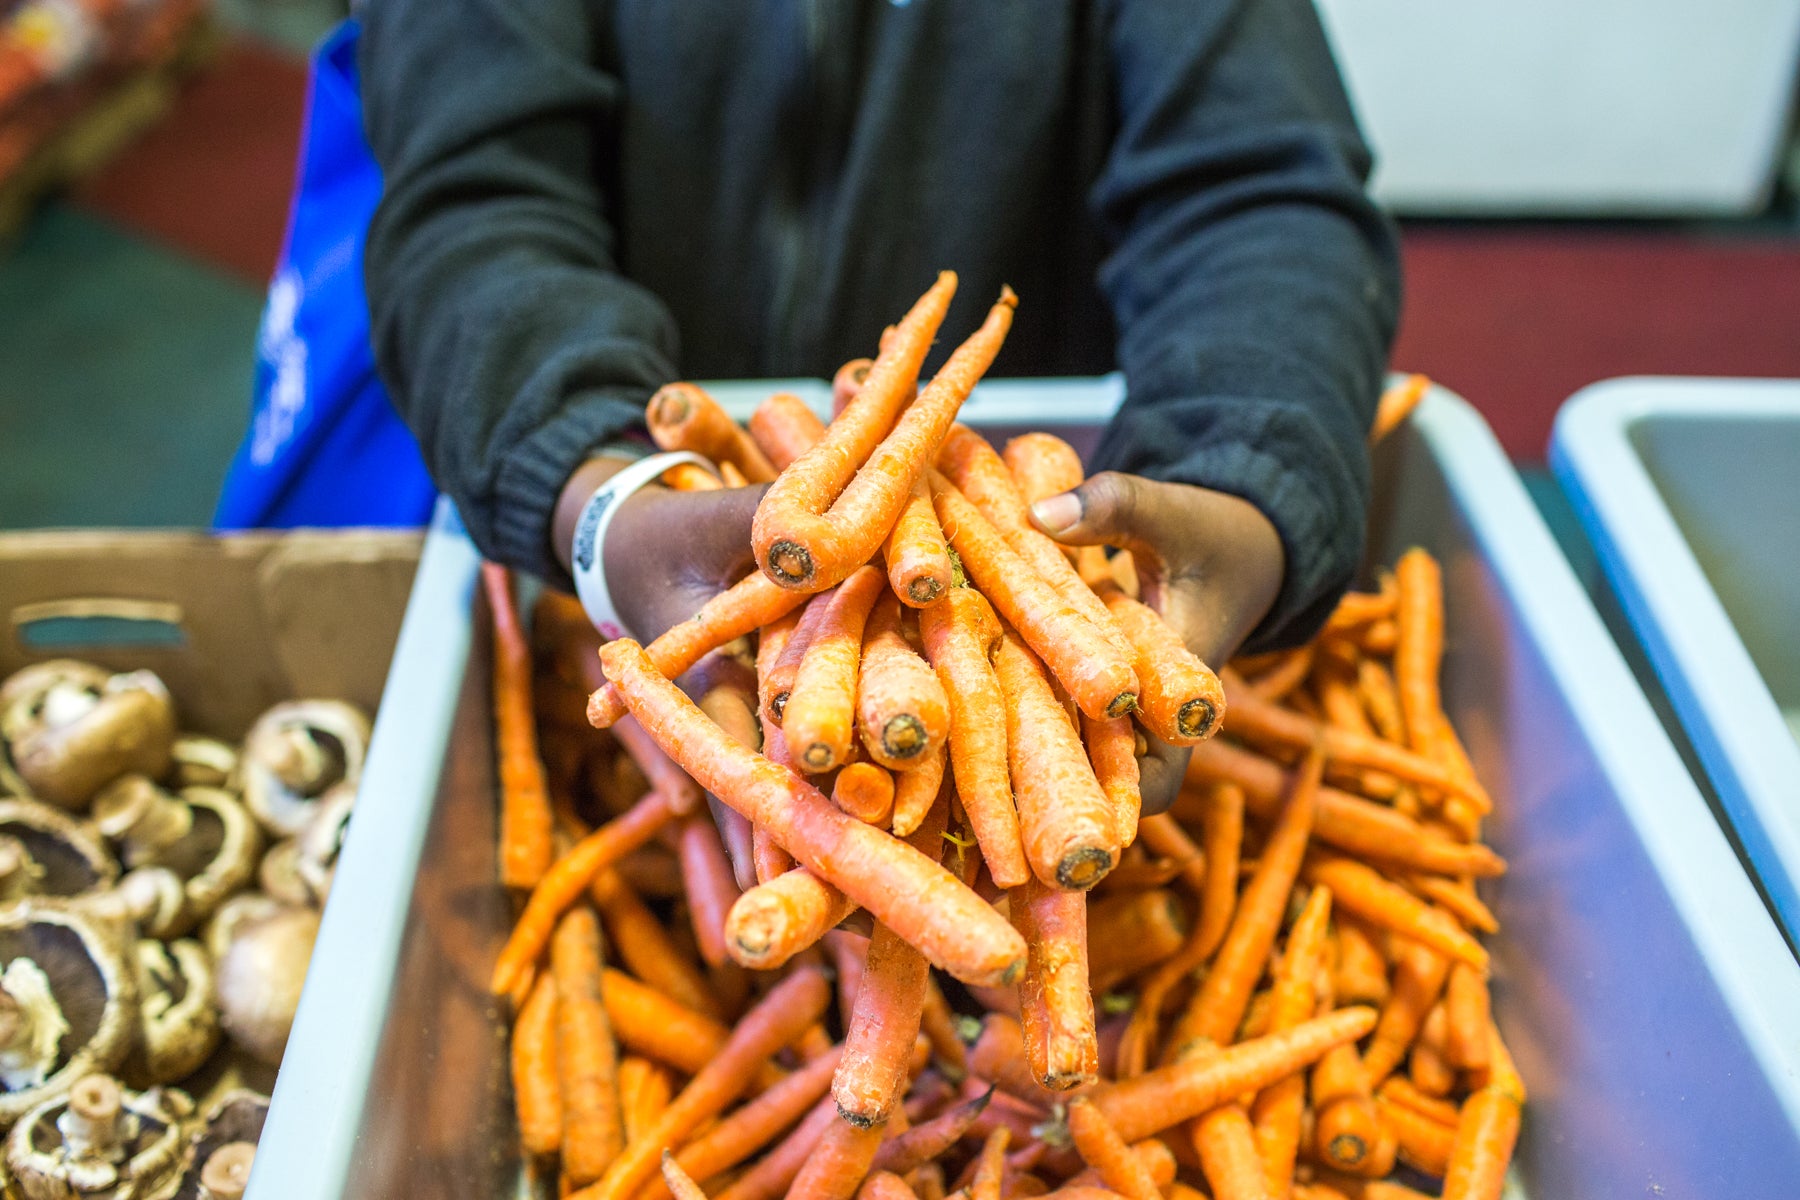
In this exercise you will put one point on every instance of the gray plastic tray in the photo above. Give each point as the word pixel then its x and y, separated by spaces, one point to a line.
pixel 1648 994
pixel 1689 491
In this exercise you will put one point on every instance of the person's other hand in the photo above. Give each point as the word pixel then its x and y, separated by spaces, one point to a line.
pixel 1210 563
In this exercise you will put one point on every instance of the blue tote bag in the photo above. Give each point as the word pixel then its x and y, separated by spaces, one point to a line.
pixel 325 446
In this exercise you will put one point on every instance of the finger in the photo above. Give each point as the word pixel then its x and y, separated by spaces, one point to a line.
pixel 1106 510
pixel 1161 768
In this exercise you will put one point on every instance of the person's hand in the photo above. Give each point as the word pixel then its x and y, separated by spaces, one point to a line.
pixel 1210 563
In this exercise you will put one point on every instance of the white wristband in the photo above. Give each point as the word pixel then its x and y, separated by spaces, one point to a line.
pixel 587 562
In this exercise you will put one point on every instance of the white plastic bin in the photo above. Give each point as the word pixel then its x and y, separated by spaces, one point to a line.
pixel 1647 993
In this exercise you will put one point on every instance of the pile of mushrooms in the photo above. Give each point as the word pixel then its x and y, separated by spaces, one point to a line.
pixel 159 898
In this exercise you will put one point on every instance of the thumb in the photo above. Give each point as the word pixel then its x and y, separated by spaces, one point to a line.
pixel 1105 510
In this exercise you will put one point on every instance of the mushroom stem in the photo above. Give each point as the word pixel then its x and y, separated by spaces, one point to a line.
pixel 226 1172
pixel 143 818
pixel 19 871
pixel 90 1124
pixel 12 1019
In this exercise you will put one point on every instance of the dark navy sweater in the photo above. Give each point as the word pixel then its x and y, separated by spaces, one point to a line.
pixel 587 199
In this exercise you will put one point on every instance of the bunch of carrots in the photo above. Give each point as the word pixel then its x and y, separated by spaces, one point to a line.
pixel 877 915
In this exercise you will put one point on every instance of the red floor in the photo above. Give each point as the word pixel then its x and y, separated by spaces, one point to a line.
pixel 1514 318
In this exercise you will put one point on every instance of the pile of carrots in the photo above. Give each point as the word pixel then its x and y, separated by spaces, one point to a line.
pixel 877 915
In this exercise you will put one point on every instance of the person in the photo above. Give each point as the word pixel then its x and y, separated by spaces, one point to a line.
pixel 586 199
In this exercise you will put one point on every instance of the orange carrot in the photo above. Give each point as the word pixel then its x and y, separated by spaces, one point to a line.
pixel 920 900
pixel 707 883
pixel 647 1022
pixel 1066 821
pixel 1361 890
pixel 1222 834
pixel 818 721
pixel 788 1008
pixel 681 416
pixel 774 921
pixel 1278 1108
pixel 1042 464
pixel 1401 1091
pixel 742 608
pixel 644 1091
pixel 880 1031
pixel 1359 974
pixel 901 709
pixel 1279 681
pixel 1227 1147
pixel 1466 1011
pixel 586 1056
pixel 664 776
pixel 927 1140
pixel 680 1183
pixel 1483 1146
pixel 1129 932
pixel 796 542
pixel 1396 404
pixel 1348 1134
pixel 1056 1004
pixel 838 1164
pixel 525 820
pixel 970 463
pixel 990 1166
pixel 1419 976
pixel 770 1178
pixel 779 648
pixel 1457 897
pixel 915 791
pixel 1419 617
pixel 939 1026
pixel 1361 608
pixel 537 1095
pixel 1165 837
pixel 848 382
pixel 1348 822
pixel 784 428
pixel 640 942
pixel 1217 1008
pixel 1112 752
pixel 1181 700
pixel 731 476
pixel 772 861
pixel 977 743
pixel 1426 1067
pixel 1424 1143
pixel 998 1056
pixel 690 477
pixel 1157 1159
pixel 1084 661
pixel 1103 1149
pixel 866 792
pixel 918 558
pixel 885 1185
pixel 754 1125
pixel 567 879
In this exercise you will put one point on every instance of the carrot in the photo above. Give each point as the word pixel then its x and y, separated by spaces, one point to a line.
pixel 772 861
pixel 1112 746
pixel 690 477
pixel 707 884
pixel 1129 932
pixel 927 1140
pixel 1164 835
pixel 1155 1156
pixel 644 947
pixel 1424 1144
pixel 1066 821
pixel 885 1185
pixel 586 1056
pixel 1056 1004
pixel 788 1008
pixel 1362 608
pixel 1222 834
pixel 742 608
pixel 998 1056
pixel 1466 1012
pixel 848 382
pixel 1289 672
pixel 1455 897
pixel 525 820
pixel 770 1178
pixel 820 713
pixel 977 743
pixel 779 648
pixel 902 711
pixel 927 1182
pixel 1396 404
pixel 1217 1008
pixel 1426 1066
pixel 1079 653
pixel 1226 1144
pixel 1348 822
pixel 989 1166
pixel 1181 700
pixel 920 900
pixel 567 879
pixel 796 543
pixel 664 776
pixel 1359 975
pixel 866 792
pixel 1103 1149
pixel 970 463
pixel 1419 618
pixel 753 1126
pixel 918 558
pixel 839 1163
pixel 1419 976
pixel 644 1091
pixel 939 1026
pixel 681 416
pixel 731 476
pixel 1402 1092
pixel 880 1030
pixel 774 921
pixel 915 791
pixel 1259 722
pixel 1361 890
pixel 647 1022
pixel 537 1094
pixel 679 1181
pixel 784 428
pixel 1483 1146
pixel 1042 465
pixel 1348 1134
pixel 1278 1108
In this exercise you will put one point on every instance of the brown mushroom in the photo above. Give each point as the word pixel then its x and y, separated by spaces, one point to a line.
pixel 260 978
pixel 197 761
pixel 279 875
pixel 322 838
pixel 178 1017
pixel 45 852
pixel 296 752
pixel 64 972
pixel 70 733
pixel 25 689
pixel 99 1140
pixel 152 900
pixel 216 1164
pixel 201 834
pixel 234 915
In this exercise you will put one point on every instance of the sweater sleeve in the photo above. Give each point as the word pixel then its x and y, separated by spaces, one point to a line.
pixel 1254 283
pixel 508 338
